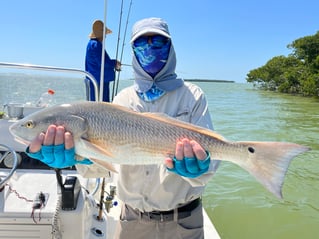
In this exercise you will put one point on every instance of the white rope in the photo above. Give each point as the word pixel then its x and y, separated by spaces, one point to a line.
pixel 56 231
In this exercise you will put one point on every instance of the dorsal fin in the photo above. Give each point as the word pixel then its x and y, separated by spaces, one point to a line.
pixel 162 117
pixel 178 123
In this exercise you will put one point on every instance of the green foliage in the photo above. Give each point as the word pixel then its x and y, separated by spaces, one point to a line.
pixel 297 73
pixel 310 85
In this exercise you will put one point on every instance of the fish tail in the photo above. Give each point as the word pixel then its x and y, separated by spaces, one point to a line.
pixel 268 162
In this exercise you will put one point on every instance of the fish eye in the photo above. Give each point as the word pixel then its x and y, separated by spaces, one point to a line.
pixel 29 124
pixel 251 150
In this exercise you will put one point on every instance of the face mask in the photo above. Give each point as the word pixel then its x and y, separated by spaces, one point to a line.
pixel 152 94
pixel 152 55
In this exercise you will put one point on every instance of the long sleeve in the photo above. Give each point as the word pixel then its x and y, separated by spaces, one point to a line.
pixel 93 61
pixel 167 189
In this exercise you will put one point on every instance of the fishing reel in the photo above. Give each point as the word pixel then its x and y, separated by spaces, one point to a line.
pixel 109 200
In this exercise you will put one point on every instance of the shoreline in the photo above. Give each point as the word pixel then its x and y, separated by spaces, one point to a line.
pixel 206 80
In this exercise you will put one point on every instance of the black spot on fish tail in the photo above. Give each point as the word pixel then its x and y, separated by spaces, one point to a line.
pixel 251 150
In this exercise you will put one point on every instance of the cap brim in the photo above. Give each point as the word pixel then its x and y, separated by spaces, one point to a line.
pixel 108 31
pixel 151 31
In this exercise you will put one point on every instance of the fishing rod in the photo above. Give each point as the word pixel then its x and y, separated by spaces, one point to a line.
pixel 116 83
pixel 119 32
pixel 118 43
pixel 103 55
pixel 100 215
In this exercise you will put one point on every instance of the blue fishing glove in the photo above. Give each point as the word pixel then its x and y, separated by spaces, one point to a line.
pixel 56 156
pixel 190 167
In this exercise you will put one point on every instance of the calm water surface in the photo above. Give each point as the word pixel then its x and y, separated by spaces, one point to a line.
pixel 239 206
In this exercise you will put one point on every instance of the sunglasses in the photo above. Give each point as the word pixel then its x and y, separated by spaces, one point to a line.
pixel 156 41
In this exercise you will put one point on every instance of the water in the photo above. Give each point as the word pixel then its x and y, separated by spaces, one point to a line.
pixel 28 86
pixel 239 207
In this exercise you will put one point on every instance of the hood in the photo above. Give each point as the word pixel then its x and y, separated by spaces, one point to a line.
pixel 166 79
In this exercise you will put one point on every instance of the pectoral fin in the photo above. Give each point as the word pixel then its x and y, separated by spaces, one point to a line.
pixel 96 148
pixel 95 153
pixel 104 164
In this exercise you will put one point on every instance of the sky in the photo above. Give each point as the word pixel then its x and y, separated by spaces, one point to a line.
pixel 220 40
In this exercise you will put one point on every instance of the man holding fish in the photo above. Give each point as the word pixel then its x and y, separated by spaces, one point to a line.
pixel 163 164
pixel 161 201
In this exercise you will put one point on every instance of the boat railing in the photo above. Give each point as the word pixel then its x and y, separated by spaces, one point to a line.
pixel 26 162
pixel 88 75
pixel 10 153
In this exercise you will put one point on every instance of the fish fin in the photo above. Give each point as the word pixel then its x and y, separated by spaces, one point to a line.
pixel 104 164
pixel 88 146
pixel 268 162
pixel 173 121
pixel 156 114
pixel 96 148
pixel 87 149
pixel 170 120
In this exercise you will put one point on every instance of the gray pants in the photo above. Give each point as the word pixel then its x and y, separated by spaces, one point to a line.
pixel 134 225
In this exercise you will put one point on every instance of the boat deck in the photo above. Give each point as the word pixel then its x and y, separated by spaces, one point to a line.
pixel 18 219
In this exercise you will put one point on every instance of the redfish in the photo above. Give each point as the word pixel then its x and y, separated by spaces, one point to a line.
pixel 107 133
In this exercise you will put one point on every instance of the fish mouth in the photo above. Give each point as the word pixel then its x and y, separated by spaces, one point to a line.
pixel 18 138
pixel 22 141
